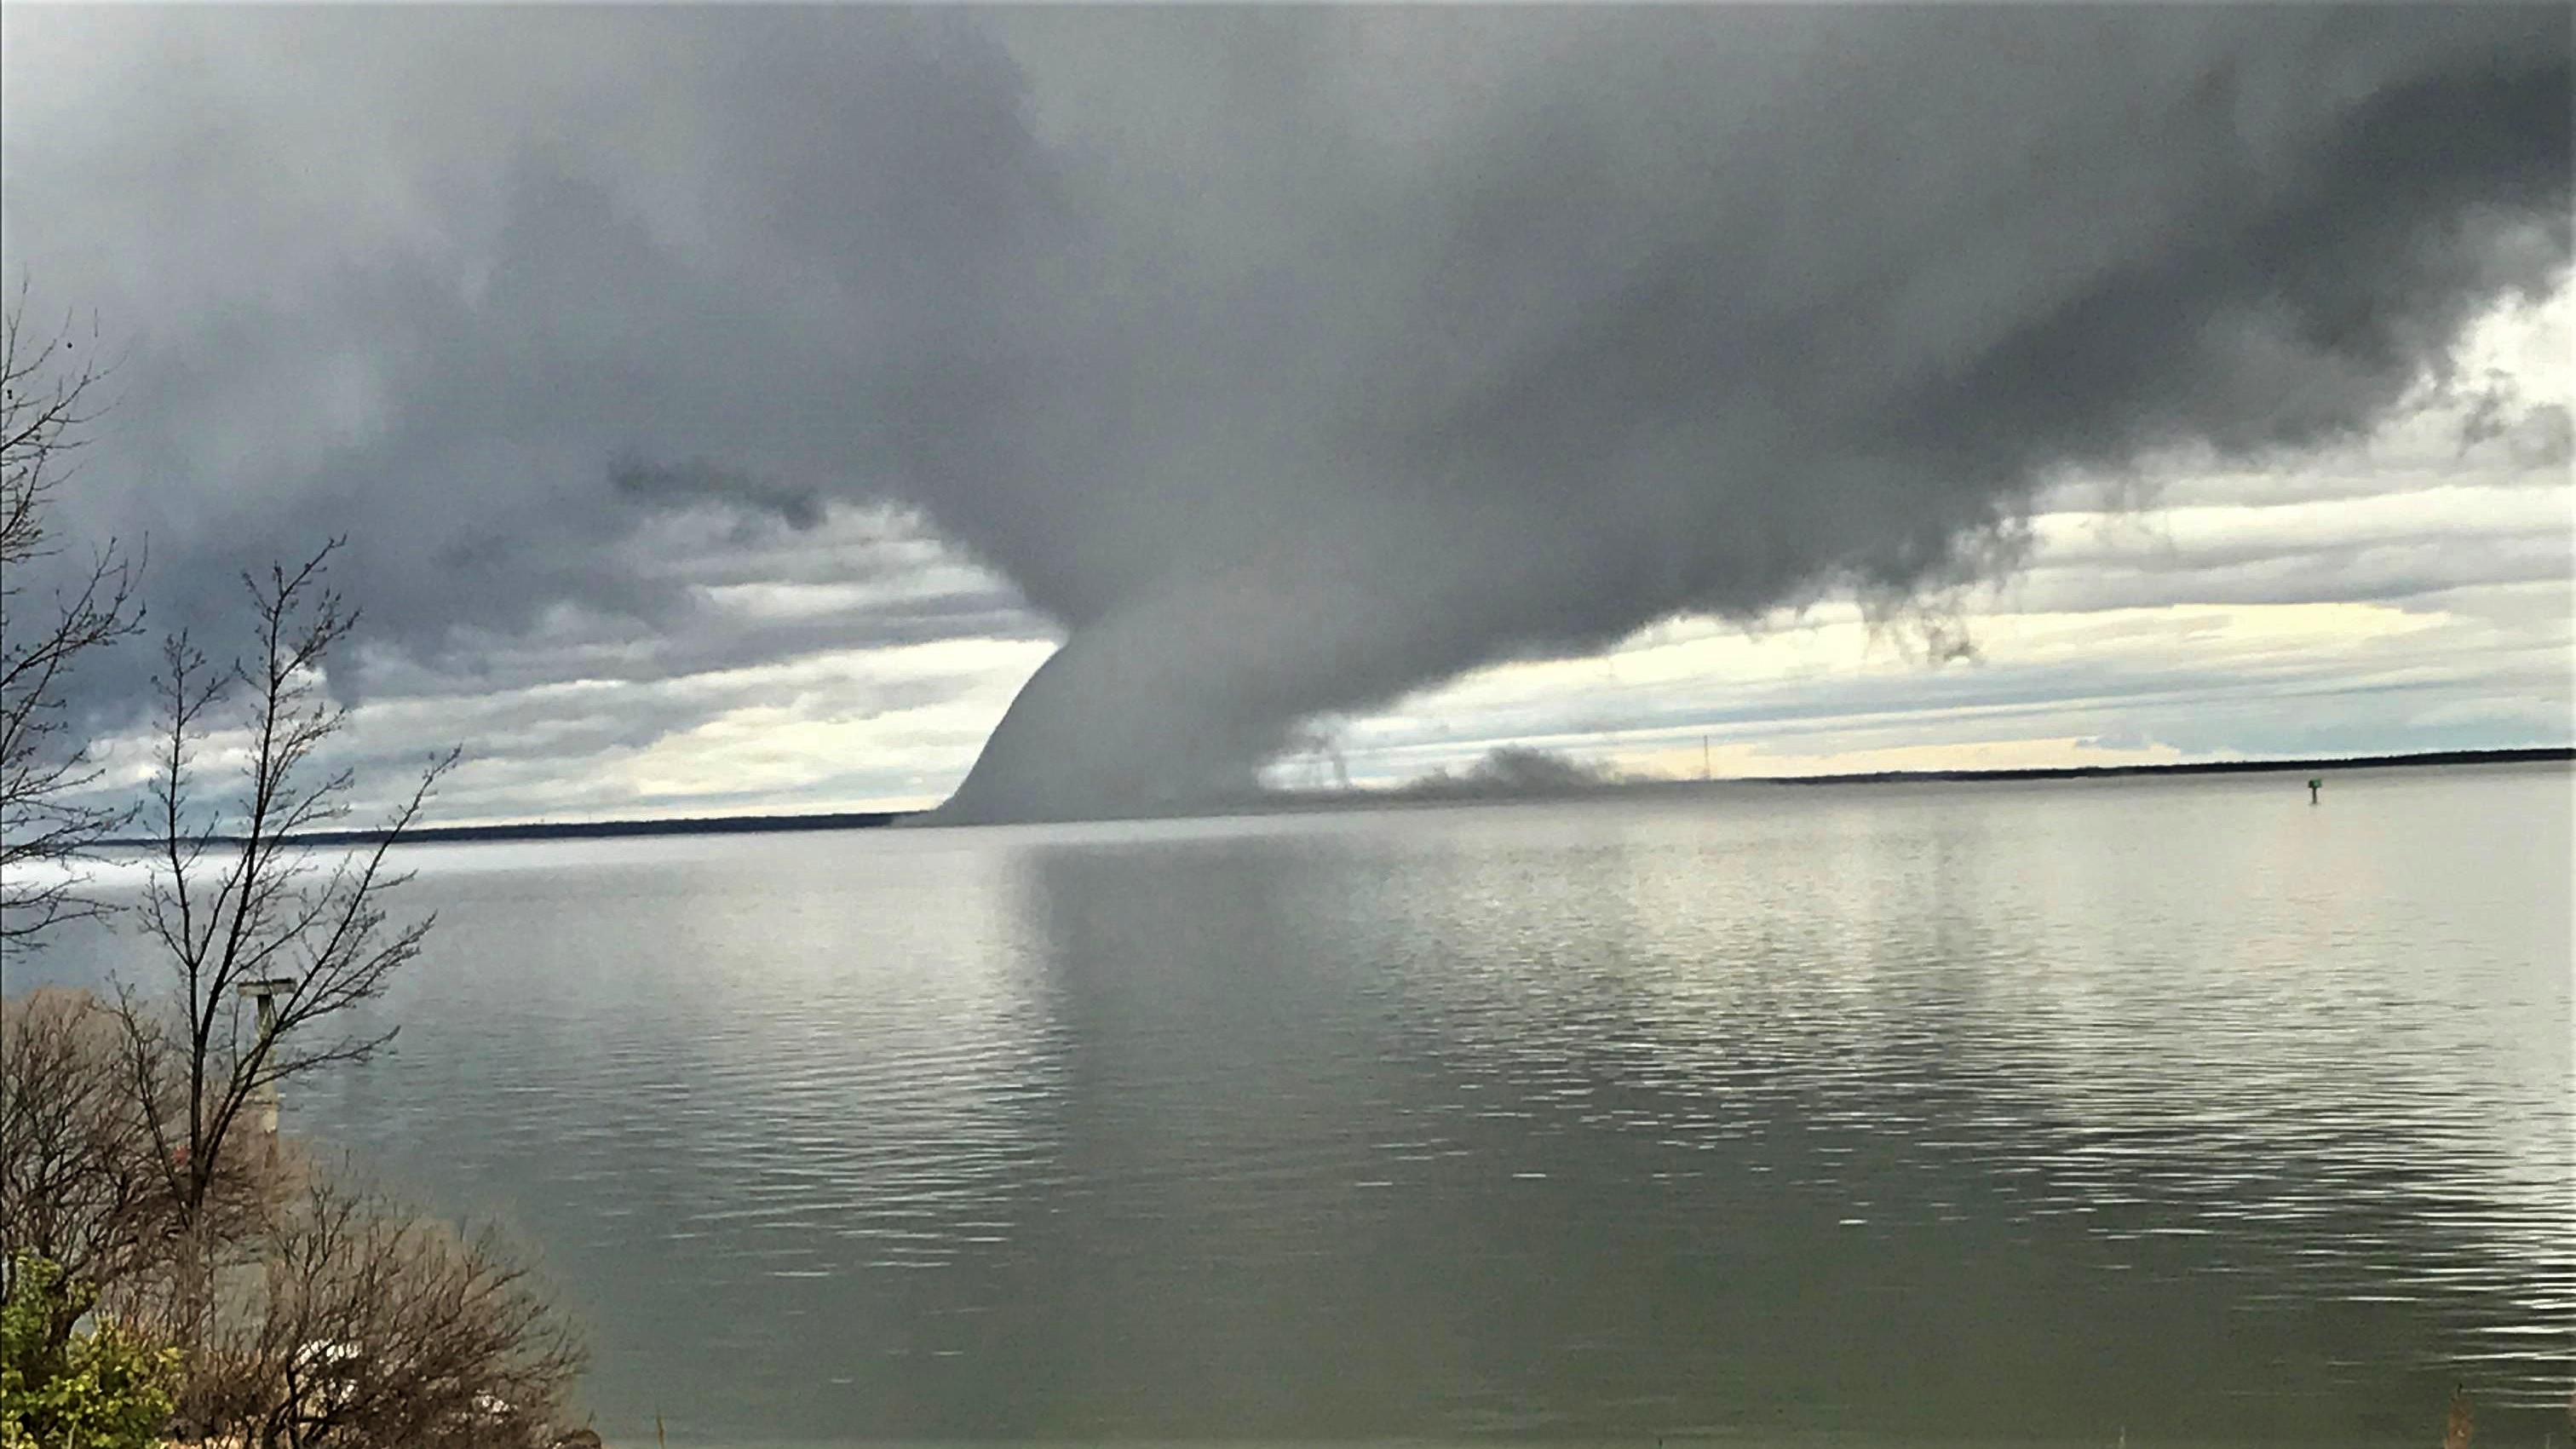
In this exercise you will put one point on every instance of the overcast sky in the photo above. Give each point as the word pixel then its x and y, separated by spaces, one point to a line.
pixel 732 409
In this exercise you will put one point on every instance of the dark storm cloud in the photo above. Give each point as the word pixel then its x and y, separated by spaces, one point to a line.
pixel 486 293
pixel 1714 305
pixel 2537 438
pixel 1288 359
pixel 699 481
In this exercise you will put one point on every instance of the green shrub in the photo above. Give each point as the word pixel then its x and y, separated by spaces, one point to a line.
pixel 108 1388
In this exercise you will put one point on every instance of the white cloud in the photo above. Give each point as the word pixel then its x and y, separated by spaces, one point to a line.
pixel 2397 592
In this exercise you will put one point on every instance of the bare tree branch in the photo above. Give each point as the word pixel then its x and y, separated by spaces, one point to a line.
pixel 48 395
pixel 372 1326
pixel 121 1159
pixel 239 900
pixel 79 1185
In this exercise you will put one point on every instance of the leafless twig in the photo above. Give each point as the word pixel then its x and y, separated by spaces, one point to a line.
pixel 48 395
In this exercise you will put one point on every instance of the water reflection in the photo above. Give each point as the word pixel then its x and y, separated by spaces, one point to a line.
pixel 2170 1107
pixel 750 1096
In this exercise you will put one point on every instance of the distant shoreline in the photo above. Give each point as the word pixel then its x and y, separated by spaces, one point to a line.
pixel 2547 754
pixel 584 829
pixel 1299 801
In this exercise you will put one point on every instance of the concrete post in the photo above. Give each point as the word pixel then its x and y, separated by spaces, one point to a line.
pixel 264 990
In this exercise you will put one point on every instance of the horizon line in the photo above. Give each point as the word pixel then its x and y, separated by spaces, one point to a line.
pixel 1460 792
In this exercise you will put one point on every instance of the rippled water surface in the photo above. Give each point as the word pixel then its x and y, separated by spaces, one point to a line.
pixel 2177 1108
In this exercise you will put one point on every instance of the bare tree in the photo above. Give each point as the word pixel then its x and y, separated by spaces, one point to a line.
pixel 48 394
pixel 271 937
pixel 369 1326
pixel 312 1314
pixel 78 1184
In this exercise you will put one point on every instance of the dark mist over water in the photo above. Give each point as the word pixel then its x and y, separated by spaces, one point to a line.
pixel 2172 1107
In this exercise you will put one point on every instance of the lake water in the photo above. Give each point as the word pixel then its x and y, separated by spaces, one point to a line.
pixel 2177 1109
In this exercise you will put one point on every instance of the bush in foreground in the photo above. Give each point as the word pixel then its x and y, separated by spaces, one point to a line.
pixel 109 1388
pixel 355 1322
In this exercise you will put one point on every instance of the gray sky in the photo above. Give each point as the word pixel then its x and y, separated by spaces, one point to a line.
pixel 732 408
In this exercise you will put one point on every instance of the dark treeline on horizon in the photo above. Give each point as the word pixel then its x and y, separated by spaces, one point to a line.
pixel 874 819
pixel 2538 755
pixel 596 829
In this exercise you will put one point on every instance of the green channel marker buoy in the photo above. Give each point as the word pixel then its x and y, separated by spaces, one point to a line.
pixel 2312 790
